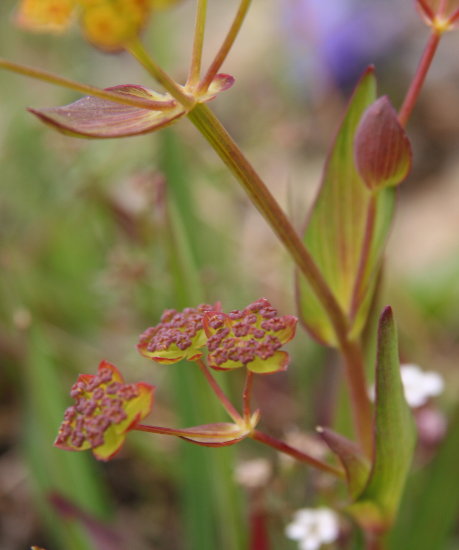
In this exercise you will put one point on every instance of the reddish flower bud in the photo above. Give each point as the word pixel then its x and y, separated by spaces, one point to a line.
pixel 382 149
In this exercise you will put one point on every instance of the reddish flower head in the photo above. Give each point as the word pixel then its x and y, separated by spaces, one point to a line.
pixel 251 337
pixel 179 335
pixel 105 410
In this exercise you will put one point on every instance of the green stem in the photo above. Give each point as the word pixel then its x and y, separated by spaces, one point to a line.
pixel 136 49
pixel 84 88
pixel 199 29
pixel 230 409
pixel 419 78
pixel 226 46
pixel 282 447
pixel 211 128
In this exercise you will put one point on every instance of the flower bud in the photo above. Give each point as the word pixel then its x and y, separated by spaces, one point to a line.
pixel 382 149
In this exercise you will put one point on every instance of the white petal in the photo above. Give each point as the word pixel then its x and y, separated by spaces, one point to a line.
pixel 328 524
pixel 295 531
pixel 311 542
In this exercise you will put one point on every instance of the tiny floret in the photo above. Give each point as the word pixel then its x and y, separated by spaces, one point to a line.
pixel 312 528
pixel 250 338
pixel 105 409
pixel 179 335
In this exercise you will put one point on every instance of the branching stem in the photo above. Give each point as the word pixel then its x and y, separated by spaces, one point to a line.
pixel 84 88
pixel 198 43
pixel 419 78
pixel 282 447
pixel 247 394
pixel 226 46
pixel 136 49
pixel 230 409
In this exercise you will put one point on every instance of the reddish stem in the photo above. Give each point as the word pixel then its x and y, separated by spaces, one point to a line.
pixel 418 81
pixel 454 17
pixel 219 392
pixel 366 246
pixel 295 453
pixel 361 406
pixel 426 9
pixel 246 395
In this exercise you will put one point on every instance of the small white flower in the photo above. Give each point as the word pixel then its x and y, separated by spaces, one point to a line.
pixel 313 527
pixel 419 385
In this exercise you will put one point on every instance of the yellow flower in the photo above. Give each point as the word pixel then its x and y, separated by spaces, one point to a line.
pixel 108 24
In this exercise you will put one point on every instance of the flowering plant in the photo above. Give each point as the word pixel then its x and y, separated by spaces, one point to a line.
pixel 338 256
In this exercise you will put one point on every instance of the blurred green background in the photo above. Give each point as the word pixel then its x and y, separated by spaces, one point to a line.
pixel 97 238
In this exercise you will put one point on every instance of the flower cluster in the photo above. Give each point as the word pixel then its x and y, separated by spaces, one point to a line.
pixel 108 24
pixel 250 338
pixel 313 527
pixel 179 335
pixel 105 409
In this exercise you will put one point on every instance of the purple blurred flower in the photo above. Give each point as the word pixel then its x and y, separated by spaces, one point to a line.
pixel 342 38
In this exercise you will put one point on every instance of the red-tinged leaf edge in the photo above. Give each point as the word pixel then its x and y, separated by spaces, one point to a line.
pixel 382 149
pixel 356 465
pixel 221 434
pixel 92 117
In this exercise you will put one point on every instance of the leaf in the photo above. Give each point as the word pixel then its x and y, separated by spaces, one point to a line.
pixel 218 434
pixel 356 465
pixel 346 229
pixel 99 118
pixel 382 148
pixel 395 437
pixel 433 518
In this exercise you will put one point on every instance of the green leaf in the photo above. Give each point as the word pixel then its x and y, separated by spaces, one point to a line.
pixel 356 465
pixel 432 519
pixel 395 437
pixel 346 229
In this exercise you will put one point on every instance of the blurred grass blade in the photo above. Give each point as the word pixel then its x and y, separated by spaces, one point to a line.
pixel 346 228
pixel 73 475
pixel 395 436
pixel 210 499
pixel 432 519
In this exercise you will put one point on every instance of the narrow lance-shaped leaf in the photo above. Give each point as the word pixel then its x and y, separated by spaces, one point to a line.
pixel 395 436
pixel 346 229
pixel 92 117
